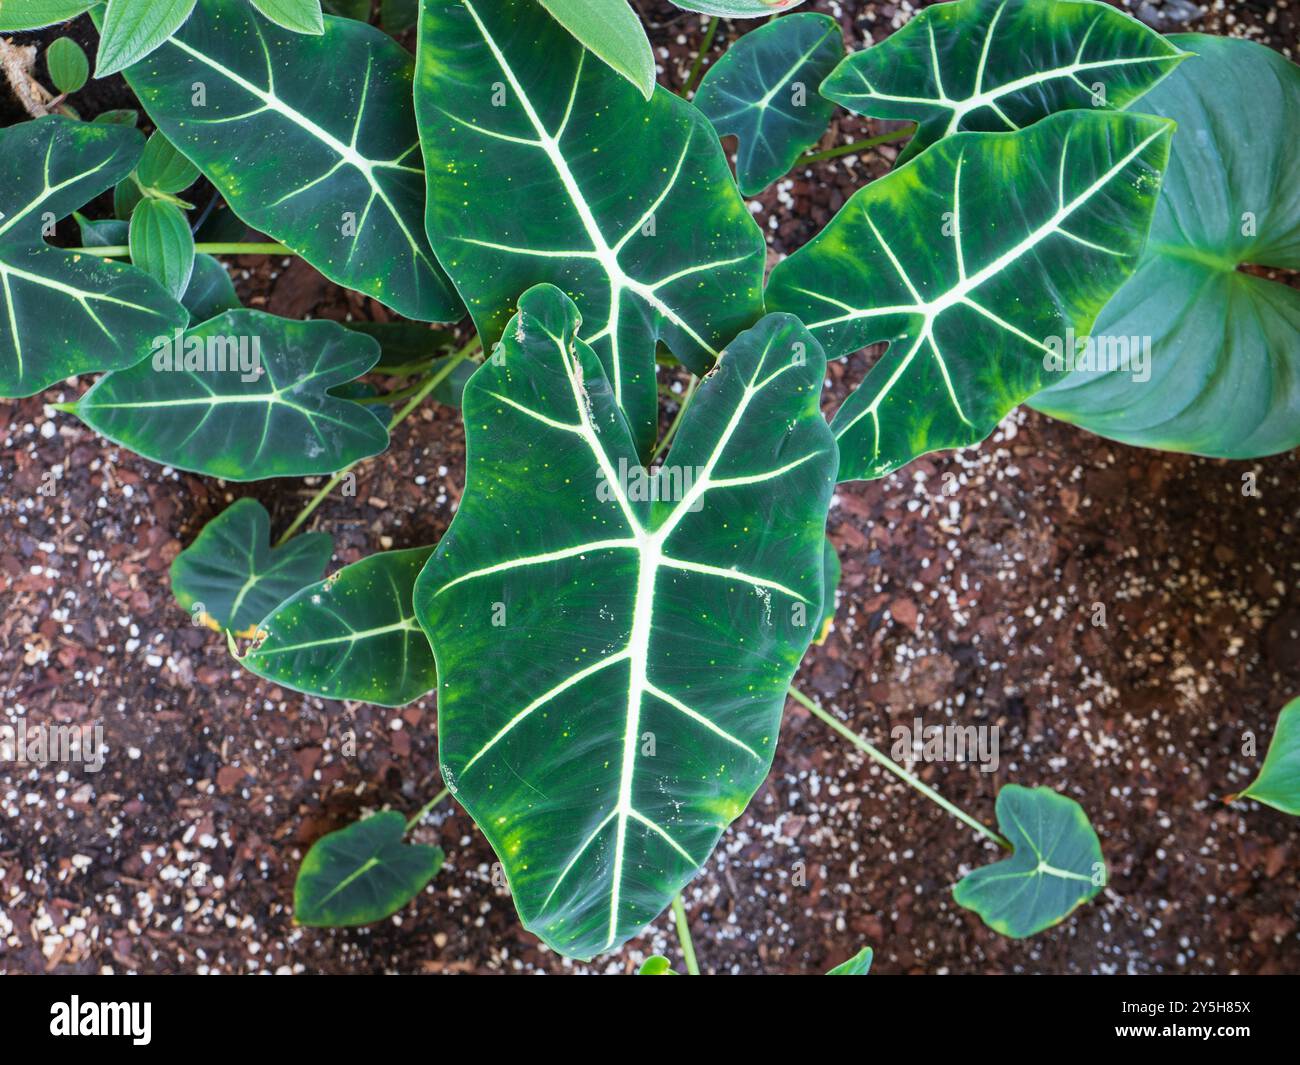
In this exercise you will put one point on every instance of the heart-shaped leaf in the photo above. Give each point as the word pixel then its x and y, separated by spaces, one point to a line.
pixel 652 623
pixel 162 244
pixel 362 874
pixel 106 312
pixel 1194 354
pixel 244 396
pixel 996 65
pixel 559 171
pixel 311 139
pixel 764 92
pixel 1056 864
pixel 36 14
pixel 351 636
pixel 613 33
pixel 232 575
pixel 1278 783
pixel 132 29
pixel 971 297
pixel 858 965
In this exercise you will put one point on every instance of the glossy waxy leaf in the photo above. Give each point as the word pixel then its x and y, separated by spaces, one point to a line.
pixel 35 14
pixel 69 68
pixel 611 30
pixel 231 577
pixel 362 873
pixel 243 396
pixel 858 965
pixel 997 65
pixel 764 92
pixel 300 16
pixel 162 244
pixel 132 29
pixel 311 140
pixel 1278 783
pixel 973 299
pixel 210 292
pixel 652 624
pixel 1056 864
pixel 1194 354
pixel 738 8
pixel 62 313
pixel 576 180
pixel 352 636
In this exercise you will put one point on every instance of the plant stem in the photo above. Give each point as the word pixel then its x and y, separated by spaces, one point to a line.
pixel 426 808
pixel 857 146
pixel 118 251
pixel 684 936
pixel 420 394
pixel 698 65
pixel 895 768
pixel 662 446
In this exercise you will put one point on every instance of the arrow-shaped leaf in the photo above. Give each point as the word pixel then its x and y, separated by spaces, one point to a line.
pixel 764 92
pixel 352 635
pixel 244 396
pixel 559 171
pixel 973 299
pixel 651 624
pixel 311 139
pixel 1055 867
pixel 106 313
pixel 233 575
pixel 998 65
pixel 1278 783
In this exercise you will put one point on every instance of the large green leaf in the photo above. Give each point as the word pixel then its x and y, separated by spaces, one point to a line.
pixel 60 313
pixel 311 139
pixel 627 206
pixel 232 574
pixel 1278 783
pixel 131 29
pixel 35 14
pixel 764 91
pixel 352 636
pixel 362 873
pixel 995 65
pixel 1193 353
pixel 649 642
pixel 1056 864
pixel 254 402
pixel 613 33
pixel 971 295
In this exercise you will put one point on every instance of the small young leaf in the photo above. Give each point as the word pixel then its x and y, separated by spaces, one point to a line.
pixel 657 965
pixel 211 292
pixel 231 577
pixel 362 874
pixel 122 116
pixel 37 14
pixel 611 30
pixel 1278 783
pixel 102 233
pixel 162 244
pixel 68 65
pixel 764 91
pixel 830 587
pixel 1056 864
pixel 300 16
pixel 738 8
pixel 134 28
pixel 858 965
pixel 244 396
pixel 163 168
pixel 126 196
pixel 351 636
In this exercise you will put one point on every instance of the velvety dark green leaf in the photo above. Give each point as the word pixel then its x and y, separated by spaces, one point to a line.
pixel 299 16
pixel 232 574
pixel 69 68
pixel 162 245
pixel 971 295
pixel 103 232
pixel 311 140
pixel 162 167
pixel 362 874
pixel 354 9
pixel 764 92
pixel 650 640
pixel 1193 354
pixel 132 29
pixel 404 343
pixel 611 30
pixel 575 180
pixel 1278 783
pixel 858 965
pixel 35 14
pixel 738 8
pixel 1056 864
pixel 352 636
pixel 657 965
pixel 281 422
pixel 106 313
pixel 211 292
pixel 996 65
